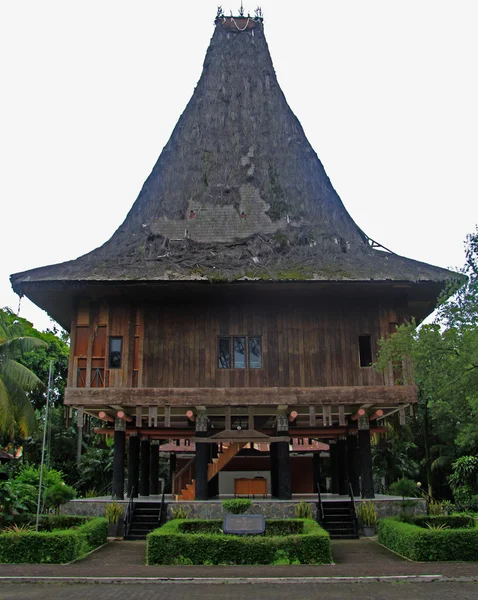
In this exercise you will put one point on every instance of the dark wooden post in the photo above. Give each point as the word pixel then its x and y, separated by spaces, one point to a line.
pixel 353 461
pixel 172 469
pixel 365 457
pixel 79 429
pixel 284 488
pixel 154 468
pixel 144 465
pixel 343 470
pixel 316 471
pixel 133 465
pixel 118 459
pixel 273 468
pixel 202 457
pixel 334 466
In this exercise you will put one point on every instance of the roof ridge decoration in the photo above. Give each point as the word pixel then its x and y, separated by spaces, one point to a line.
pixel 238 193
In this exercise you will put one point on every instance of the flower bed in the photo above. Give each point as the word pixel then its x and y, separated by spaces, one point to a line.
pixel 55 546
pixel 199 542
pixel 420 543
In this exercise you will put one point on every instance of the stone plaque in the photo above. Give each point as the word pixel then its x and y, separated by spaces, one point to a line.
pixel 244 524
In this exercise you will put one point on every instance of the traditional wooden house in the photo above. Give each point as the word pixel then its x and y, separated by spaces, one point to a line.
pixel 238 304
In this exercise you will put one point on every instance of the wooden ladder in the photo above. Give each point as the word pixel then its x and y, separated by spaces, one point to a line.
pixel 213 468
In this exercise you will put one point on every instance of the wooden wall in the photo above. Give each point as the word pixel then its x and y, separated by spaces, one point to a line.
pixel 311 343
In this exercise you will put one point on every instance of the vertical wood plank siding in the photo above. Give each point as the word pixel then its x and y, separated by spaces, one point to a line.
pixel 306 346
pixel 304 343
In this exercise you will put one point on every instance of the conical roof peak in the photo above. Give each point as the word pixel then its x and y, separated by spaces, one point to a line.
pixel 237 192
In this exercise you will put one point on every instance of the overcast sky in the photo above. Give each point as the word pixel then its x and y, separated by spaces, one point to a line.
pixel 386 92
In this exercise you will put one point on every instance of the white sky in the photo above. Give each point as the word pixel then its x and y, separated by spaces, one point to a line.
pixel 386 91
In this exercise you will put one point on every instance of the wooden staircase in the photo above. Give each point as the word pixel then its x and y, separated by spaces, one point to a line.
pixel 217 464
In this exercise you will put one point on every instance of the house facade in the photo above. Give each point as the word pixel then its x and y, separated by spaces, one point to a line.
pixel 238 307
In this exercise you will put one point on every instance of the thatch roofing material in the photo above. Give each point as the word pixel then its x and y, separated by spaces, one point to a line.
pixel 237 193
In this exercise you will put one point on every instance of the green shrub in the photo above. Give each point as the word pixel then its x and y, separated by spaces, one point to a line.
pixel 30 474
pixel 113 512
pixel 451 521
pixel 303 510
pixel 180 512
pixel 58 494
pixel 58 546
pixel 367 513
pixel 51 522
pixel 403 487
pixel 168 544
pixel 238 506
pixel 422 544
pixel 274 527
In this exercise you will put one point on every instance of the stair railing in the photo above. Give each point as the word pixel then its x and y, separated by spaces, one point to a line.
pixel 319 503
pixel 354 508
pixel 182 478
pixel 129 513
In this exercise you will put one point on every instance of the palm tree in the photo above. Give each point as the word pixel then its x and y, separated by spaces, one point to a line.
pixel 15 379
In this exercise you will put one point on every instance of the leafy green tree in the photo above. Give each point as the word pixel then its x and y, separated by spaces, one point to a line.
pixel 444 355
pixel 55 348
pixel 16 380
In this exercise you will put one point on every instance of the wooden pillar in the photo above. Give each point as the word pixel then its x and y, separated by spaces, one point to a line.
pixel 154 468
pixel 284 489
pixel 144 467
pixel 118 459
pixel 334 466
pixel 79 429
pixel 353 463
pixel 273 468
pixel 316 471
pixel 343 470
pixel 365 451
pixel 172 469
pixel 133 465
pixel 202 457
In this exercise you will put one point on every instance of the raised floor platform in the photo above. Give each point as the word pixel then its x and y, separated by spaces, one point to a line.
pixel 385 505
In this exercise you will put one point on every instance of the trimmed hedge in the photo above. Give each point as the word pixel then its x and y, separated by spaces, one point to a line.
pixel 273 526
pixel 168 545
pixel 58 546
pixel 51 522
pixel 422 544
pixel 451 521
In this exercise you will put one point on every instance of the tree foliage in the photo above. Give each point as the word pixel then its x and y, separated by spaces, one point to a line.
pixel 444 355
pixel 16 379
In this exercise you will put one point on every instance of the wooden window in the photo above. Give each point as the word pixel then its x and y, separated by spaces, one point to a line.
pixel 115 351
pixel 255 353
pixel 365 350
pixel 246 352
pixel 224 353
pixel 239 352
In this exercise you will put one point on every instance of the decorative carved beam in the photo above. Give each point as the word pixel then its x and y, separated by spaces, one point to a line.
pixel 358 414
pixel 105 416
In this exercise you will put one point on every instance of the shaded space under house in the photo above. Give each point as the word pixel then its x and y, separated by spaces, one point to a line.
pixel 238 307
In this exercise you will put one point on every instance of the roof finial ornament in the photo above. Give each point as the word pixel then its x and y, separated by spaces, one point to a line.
pixel 258 13
pixel 241 10
pixel 220 13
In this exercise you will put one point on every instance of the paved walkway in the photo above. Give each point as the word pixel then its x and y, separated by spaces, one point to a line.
pixel 353 558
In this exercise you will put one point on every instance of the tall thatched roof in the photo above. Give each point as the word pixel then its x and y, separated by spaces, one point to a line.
pixel 237 193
